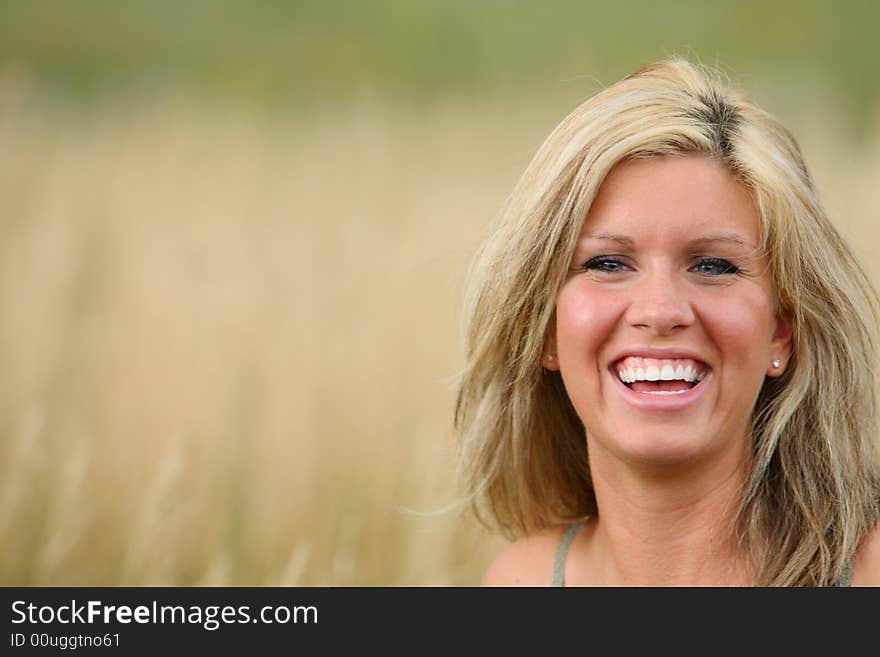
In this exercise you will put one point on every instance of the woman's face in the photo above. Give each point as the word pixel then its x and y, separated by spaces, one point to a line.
pixel 666 282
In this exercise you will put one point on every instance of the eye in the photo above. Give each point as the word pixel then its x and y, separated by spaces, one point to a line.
pixel 604 263
pixel 716 267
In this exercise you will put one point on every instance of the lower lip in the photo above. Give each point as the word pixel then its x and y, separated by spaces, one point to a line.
pixel 645 401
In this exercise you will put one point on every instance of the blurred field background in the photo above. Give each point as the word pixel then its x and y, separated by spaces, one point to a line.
pixel 234 238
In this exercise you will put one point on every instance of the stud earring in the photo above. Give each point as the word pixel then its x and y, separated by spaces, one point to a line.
pixel 777 362
pixel 549 357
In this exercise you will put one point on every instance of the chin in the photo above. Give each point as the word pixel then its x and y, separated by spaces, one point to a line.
pixel 658 449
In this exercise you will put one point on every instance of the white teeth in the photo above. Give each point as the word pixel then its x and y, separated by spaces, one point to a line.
pixel 665 371
pixel 664 392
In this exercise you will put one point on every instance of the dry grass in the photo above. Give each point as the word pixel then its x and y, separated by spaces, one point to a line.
pixel 228 344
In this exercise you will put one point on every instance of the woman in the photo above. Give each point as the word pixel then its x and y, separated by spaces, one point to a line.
pixel 671 356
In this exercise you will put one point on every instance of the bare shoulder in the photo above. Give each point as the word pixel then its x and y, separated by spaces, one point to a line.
pixel 526 562
pixel 866 571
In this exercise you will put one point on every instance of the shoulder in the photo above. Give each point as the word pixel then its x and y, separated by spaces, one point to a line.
pixel 527 561
pixel 866 571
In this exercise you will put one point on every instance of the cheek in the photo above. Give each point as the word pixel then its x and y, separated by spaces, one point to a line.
pixel 585 318
pixel 741 326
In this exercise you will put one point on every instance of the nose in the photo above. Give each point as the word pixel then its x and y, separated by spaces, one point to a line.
pixel 660 303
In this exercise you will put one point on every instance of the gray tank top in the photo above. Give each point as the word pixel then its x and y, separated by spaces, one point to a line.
pixel 568 537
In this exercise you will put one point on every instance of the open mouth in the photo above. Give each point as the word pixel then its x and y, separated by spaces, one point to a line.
pixel 659 377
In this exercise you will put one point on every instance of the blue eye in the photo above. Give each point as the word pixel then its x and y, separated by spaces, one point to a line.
pixel 707 266
pixel 716 267
pixel 603 263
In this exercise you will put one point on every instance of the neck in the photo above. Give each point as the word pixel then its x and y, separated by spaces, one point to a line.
pixel 657 528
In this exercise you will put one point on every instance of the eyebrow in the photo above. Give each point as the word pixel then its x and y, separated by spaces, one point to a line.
pixel 707 239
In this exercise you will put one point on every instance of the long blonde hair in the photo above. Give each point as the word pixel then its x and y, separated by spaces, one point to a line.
pixel 814 487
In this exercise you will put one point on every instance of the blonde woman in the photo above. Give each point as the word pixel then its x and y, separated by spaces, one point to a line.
pixel 672 355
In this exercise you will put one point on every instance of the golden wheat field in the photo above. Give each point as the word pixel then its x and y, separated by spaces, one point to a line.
pixel 229 340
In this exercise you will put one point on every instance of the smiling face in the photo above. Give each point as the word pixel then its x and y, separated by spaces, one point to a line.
pixel 667 282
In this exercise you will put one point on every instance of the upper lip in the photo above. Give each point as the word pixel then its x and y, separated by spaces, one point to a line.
pixel 660 353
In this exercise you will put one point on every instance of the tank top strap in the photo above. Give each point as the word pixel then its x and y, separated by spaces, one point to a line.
pixel 846 575
pixel 562 553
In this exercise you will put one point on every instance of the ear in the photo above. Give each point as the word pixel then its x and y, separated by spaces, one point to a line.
pixel 549 355
pixel 780 345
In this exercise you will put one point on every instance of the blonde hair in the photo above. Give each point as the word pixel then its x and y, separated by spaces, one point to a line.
pixel 814 486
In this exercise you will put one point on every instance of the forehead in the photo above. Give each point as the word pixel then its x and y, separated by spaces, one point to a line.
pixel 673 197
